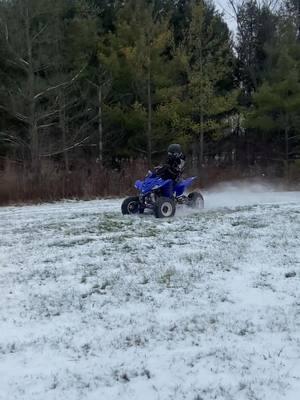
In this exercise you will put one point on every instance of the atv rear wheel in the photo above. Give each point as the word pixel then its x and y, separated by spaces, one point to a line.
pixel 131 205
pixel 196 200
pixel 164 207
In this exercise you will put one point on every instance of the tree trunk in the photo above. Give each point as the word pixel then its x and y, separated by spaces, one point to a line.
pixel 201 133
pixel 100 126
pixel 63 127
pixel 298 21
pixel 201 140
pixel 149 127
pixel 33 129
pixel 286 161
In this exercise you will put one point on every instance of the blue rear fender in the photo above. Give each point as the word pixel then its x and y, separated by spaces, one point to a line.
pixel 187 182
pixel 183 185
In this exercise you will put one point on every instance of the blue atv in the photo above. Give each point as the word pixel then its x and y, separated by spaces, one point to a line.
pixel 161 197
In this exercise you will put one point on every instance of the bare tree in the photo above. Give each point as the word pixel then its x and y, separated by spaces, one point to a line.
pixel 30 35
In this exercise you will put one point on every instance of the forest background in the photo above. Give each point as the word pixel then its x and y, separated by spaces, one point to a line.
pixel 93 91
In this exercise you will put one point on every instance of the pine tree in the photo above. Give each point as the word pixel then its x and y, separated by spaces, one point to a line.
pixel 256 31
pixel 277 101
pixel 206 96
pixel 141 41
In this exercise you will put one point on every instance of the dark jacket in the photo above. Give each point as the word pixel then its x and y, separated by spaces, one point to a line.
pixel 168 171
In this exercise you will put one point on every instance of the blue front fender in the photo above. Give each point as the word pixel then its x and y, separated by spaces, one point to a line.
pixel 138 185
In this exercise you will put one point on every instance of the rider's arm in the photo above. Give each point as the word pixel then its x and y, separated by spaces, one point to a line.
pixel 166 172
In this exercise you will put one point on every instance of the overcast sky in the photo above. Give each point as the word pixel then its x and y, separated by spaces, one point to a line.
pixel 223 5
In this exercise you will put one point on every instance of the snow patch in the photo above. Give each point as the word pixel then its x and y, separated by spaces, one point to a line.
pixel 95 305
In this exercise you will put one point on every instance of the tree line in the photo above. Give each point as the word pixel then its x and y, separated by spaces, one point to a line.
pixel 107 80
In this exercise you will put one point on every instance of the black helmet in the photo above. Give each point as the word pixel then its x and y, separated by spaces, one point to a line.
pixel 176 157
pixel 174 149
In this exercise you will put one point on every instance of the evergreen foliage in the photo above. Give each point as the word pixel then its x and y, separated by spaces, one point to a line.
pixel 101 80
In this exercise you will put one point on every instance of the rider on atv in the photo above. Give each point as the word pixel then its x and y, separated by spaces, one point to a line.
pixel 162 189
pixel 174 166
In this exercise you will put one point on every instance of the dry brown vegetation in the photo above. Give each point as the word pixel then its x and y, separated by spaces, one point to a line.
pixel 85 181
pixel 89 180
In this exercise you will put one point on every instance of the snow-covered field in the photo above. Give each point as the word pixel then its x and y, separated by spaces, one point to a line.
pixel 203 306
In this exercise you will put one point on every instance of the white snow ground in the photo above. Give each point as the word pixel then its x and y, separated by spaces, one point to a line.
pixel 98 306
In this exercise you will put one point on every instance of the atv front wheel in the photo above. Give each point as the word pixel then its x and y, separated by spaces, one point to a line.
pixel 164 207
pixel 131 205
pixel 196 200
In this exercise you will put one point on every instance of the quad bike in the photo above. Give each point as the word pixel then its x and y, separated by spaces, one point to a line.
pixel 161 197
